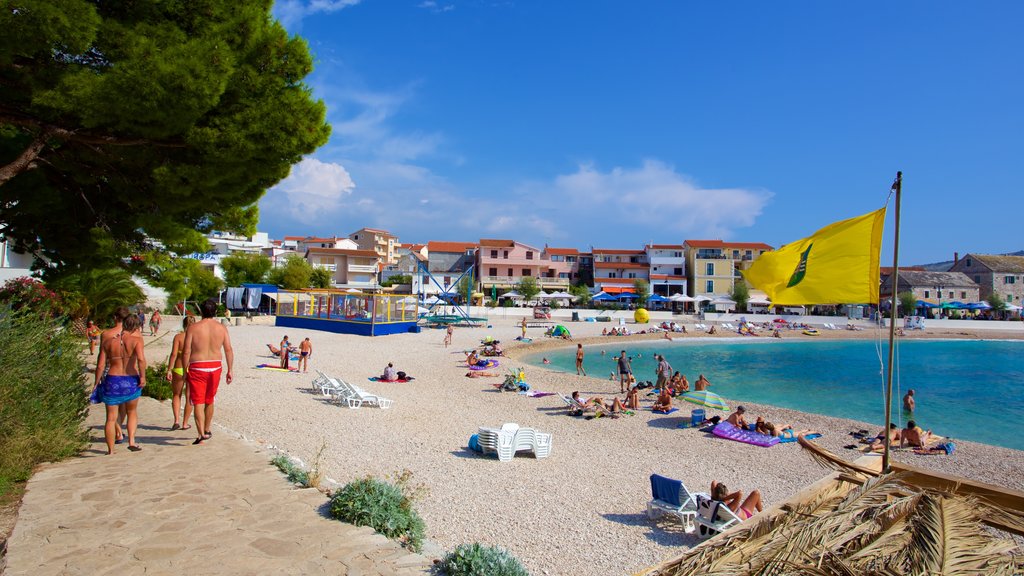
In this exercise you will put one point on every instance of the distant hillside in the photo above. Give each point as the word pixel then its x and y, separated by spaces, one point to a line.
pixel 943 266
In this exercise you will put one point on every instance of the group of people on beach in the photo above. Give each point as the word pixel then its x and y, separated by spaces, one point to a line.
pixel 196 362
pixel 286 349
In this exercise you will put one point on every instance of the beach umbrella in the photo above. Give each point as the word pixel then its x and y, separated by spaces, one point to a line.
pixel 707 399
pixel 923 304
pixel 512 294
pixel 561 296
pixel 701 298
pixel 681 298
pixel 602 297
pixel 627 295
pixel 978 306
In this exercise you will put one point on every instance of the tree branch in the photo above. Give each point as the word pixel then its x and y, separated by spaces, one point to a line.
pixel 8 117
pixel 24 160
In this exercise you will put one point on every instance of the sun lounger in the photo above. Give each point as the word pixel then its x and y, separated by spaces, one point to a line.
pixel 671 497
pixel 575 408
pixel 512 438
pixel 713 516
pixel 354 396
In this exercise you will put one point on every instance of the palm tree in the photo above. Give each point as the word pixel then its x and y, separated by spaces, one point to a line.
pixel 100 291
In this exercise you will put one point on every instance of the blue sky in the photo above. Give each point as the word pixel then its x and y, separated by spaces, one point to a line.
pixel 612 124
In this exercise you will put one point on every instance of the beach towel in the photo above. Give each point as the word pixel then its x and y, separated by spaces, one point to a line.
pixel 377 379
pixel 485 365
pixel 665 411
pixel 533 394
pixel 275 367
pixel 730 432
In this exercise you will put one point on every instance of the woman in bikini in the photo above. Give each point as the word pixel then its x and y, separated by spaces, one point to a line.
pixel 124 356
pixel 752 505
pixel 176 376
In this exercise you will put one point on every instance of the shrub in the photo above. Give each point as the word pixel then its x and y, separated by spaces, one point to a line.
pixel 31 294
pixel 385 507
pixel 43 398
pixel 295 474
pixel 478 560
pixel 157 385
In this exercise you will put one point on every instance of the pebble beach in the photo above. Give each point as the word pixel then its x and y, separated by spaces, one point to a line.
pixel 583 509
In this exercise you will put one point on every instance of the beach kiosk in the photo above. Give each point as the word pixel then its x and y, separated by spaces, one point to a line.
pixel 346 312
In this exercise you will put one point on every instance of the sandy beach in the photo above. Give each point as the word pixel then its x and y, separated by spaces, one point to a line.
pixel 580 511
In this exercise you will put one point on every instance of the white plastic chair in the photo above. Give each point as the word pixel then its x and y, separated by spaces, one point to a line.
pixel 713 516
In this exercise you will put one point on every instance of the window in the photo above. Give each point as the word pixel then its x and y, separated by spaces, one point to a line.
pixel 927 294
pixel 748 254
pixel 709 269
pixel 510 272
pixel 632 274
pixel 709 286
pixel 526 272
pixel 677 254
pixel 950 293
pixel 492 271
pixel 557 258
pixel 967 262
pixel 570 259
pixel 529 255
pixel 1009 279
pixel 1009 297
pixel 736 254
pixel 611 275
pixel 494 253
pixel 563 274
pixel 677 271
pixel 356 237
pixel 963 295
pixel 977 279
pixel 506 255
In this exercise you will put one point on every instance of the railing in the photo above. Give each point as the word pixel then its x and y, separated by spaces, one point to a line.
pixel 362 268
pixel 667 261
pixel 328 267
pixel 542 281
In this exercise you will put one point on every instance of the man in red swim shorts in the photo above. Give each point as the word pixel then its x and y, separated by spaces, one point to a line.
pixel 204 341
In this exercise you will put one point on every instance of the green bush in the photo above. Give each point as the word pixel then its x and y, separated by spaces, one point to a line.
pixel 295 474
pixel 157 385
pixel 385 507
pixel 43 398
pixel 478 560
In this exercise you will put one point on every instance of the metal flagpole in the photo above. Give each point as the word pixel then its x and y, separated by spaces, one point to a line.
pixel 897 186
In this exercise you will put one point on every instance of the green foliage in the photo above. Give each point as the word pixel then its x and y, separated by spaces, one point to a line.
pixel 245 269
pixel 907 302
pixel 478 560
pixel 996 302
pixel 582 294
pixel 554 305
pixel 320 278
pixel 643 291
pixel 187 279
pixel 294 275
pixel 31 295
pixel 145 120
pixel 397 279
pixel 741 294
pixel 157 385
pixel 528 287
pixel 295 473
pixel 100 291
pixel 43 398
pixel 383 506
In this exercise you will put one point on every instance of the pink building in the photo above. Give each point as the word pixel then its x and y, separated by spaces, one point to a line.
pixel 503 263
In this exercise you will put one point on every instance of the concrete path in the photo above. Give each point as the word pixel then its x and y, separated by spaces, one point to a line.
pixel 174 508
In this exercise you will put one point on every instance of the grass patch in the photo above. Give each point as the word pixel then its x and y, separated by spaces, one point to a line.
pixel 295 473
pixel 43 399
pixel 383 506
pixel 478 560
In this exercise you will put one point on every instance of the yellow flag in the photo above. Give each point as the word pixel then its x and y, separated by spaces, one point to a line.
pixel 836 265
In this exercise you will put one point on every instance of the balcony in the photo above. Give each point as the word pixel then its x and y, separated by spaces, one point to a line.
pixel 511 281
pixel 363 268
pixel 328 267
pixel 668 261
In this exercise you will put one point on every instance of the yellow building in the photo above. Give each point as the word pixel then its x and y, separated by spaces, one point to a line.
pixel 713 266
pixel 382 242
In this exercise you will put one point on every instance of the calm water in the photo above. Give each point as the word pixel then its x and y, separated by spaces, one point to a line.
pixel 964 389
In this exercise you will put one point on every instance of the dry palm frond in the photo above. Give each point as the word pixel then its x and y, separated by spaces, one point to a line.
pixel 947 538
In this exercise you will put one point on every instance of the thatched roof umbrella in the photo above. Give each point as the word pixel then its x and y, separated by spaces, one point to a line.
pixel 885 526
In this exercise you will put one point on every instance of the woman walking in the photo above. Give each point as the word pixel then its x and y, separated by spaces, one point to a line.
pixel 124 356
pixel 176 376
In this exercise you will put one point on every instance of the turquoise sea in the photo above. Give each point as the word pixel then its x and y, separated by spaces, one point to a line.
pixel 972 390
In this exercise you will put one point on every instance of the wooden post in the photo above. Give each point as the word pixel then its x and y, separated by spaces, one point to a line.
pixel 897 187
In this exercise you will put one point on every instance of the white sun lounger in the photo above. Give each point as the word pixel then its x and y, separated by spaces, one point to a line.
pixel 713 516
pixel 671 497
pixel 354 396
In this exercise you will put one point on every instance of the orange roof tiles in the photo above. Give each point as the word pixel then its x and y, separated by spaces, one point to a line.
pixel 563 251
pixel 344 252
pixel 498 243
pixel 437 246
pixel 616 251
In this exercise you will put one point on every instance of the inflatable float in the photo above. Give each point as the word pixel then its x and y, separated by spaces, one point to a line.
pixel 275 368
pixel 811 332
pixel 730 432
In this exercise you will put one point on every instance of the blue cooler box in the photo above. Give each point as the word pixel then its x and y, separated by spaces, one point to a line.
pixel 696 417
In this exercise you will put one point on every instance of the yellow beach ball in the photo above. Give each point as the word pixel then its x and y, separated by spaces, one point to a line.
pixel 641 316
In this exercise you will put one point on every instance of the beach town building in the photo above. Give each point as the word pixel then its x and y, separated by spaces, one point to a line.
pixel 667 268
pixel 380 241
pixel 502 264
pixel 713 267
pixel 224 244
pixel 13 264
pixel 447 261
pixel 585 269
pixel 616 270
pixel 409 256
pixel 933 287
pixel 349 268
pixel 1002 275
pixel 565 263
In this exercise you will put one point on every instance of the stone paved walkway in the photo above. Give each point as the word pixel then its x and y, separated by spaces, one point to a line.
pixel 173 508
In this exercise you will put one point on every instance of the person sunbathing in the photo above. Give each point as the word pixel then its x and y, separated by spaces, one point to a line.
pixel 481 374
pixel 274 350
pixel 914 436
pixel 664 402
pixel 389 375
pixel 878 442
pixel 776 333
pixel 633 398
pixel 745 509
pixel 596 404
pixel 736 418
pixel 683 386
pixel 712 330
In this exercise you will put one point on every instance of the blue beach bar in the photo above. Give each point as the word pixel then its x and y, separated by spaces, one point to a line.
pixel 347 312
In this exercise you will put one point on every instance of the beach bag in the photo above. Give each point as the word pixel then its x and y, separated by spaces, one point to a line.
pixel 474 443
pixel 401 375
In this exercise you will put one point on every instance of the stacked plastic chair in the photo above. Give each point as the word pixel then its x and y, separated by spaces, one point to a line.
pixel 511 438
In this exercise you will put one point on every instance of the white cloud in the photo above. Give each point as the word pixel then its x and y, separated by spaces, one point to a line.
pixel 435 7
pixel 314 188
pixel 291 12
